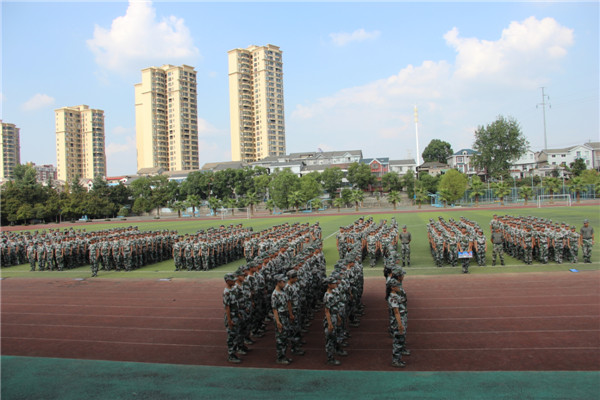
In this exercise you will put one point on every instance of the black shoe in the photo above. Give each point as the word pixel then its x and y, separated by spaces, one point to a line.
pixel 342 353
pixel 283 361
pixel 248 341
pixel 405 352
pixel 234 359
pixel 398 364
pixel 242 352
pixel 298 352
pixel 333 361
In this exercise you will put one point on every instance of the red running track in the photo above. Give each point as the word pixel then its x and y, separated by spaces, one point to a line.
pixel 505 322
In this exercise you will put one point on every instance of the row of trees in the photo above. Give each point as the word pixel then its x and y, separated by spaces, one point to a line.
pixel 23 199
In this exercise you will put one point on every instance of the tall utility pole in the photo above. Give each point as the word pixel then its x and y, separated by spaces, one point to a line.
pixel 417 135
pixel 543 104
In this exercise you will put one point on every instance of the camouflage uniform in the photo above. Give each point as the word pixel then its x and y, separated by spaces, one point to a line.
pixel 395 301
pixel 573 245
pixel 405 238
pixel 279 302
pixel 587 241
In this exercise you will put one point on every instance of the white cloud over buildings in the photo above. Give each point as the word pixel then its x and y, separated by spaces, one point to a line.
pixel 138 39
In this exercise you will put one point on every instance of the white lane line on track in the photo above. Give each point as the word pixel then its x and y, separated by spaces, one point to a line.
pixel 355 333
pixel 113 316
pixel 270 348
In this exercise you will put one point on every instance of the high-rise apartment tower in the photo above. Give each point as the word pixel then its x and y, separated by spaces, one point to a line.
pixel 166 118
pixel 256 103
pixel 10 150
pixel 80 143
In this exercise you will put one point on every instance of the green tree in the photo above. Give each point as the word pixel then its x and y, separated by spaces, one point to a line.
pixel 230 203
pixel 310 186
pixel 497 144
pixel 477 189
pixel 590 177
pixel 214 203
pixel 429 182
pixel 391 181
pixel 421 194
pixel 445 196
pixel 317 204
pixel 251 199
pixel 360 176
pixel 178 206
pixel 408 181
pixel 578 166
pixel 142 205
pixel 295 199
pixel 331 179
pixel 100 187
pixel 270 205
pixel 339 202
pixel 394 197
pixel 437 150
pixel 192 200
pixel 24 175
pixel 25 212
pixel 525 192
pixel 357 196
pixel 577 186
pixel 552 185
pixel 283 183
pixel 501 190
pixel 453 184
pixel 261 184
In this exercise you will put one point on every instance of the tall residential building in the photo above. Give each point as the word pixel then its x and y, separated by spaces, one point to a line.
pixel 166 118
pixel 80 144
pixel 10 149
pixel 256 103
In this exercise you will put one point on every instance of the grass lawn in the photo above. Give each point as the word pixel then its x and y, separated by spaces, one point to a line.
pixel 422 263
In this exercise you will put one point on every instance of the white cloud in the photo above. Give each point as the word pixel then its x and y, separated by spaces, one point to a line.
pixel 486 78
pixel 138 37
pixel 116 148
pixel 122 131
pixel 37 102
pixel 523 49
pixel 359 35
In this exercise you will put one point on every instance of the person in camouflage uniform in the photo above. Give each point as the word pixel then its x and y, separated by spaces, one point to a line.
pixel 280 306
pixel 94 249
pixel 397 322
pixel 465 244
pixel 586 241
pixel 480 247
pixel 331 320
pixel 31 254
pixel 573 244
pixel 542 244
pixel 498 245
pixel 231 318
pixel 528 242
pixel 42 254
pixel 558 241
pixel 405 238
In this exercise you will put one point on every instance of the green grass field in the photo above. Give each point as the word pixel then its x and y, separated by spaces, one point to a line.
pixel 422 263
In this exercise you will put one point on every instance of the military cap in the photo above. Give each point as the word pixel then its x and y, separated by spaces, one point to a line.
pixel 292 273
pixel 403 226
pixel 229 277
pixel 279 278
pixel 330 280
pixel 239 272
pixel 585 221
pixel 393 283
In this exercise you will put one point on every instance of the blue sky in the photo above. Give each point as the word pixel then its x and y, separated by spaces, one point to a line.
pixel 352 71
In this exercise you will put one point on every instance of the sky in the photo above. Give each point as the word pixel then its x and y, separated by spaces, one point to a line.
pixel 353 72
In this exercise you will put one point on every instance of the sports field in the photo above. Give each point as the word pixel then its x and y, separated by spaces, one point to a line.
pixel 499 332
